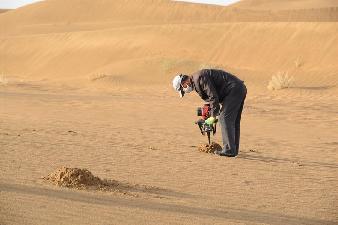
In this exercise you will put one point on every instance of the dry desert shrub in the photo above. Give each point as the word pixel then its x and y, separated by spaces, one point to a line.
pixel 171 64
pixel 210 66
pixel 168 64
pixel 3 79
pixel 280 81
pixel 299 62
pixel 96 77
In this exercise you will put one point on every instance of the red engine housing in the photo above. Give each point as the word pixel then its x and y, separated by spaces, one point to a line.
pixel 204 111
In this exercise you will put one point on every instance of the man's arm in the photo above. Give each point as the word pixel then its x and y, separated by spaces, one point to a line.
pixel 210 91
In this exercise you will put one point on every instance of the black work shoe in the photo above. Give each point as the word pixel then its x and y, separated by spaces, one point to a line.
pixel 224 153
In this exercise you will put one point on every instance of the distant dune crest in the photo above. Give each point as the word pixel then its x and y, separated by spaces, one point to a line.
pixel 158 11
pixel 285 4
pixel 3 10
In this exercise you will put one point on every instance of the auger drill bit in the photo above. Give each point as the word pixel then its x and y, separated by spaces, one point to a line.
pixel 208 133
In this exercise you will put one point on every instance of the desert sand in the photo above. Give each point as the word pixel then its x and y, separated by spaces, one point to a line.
pixel 87 84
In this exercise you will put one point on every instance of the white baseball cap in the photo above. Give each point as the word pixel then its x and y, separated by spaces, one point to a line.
pixel 177 84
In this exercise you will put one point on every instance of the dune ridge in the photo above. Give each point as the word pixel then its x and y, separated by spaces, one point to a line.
pixel 3 10
pixel 284 5
pixel 160 11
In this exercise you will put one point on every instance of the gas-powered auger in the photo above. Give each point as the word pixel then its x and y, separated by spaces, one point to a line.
pixel 204 112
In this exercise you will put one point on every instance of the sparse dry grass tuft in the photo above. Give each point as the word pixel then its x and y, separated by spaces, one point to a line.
pixel 3 79
pixel 280 81
pixel 299 62
pixel 96 77
pixel 210 66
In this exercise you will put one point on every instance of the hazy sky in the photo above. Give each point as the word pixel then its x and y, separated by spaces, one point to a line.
pixel 12 4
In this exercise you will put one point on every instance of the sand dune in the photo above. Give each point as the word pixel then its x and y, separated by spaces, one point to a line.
pixel 101 39
pixel 3 10
pixel 158 51
pixel 158 11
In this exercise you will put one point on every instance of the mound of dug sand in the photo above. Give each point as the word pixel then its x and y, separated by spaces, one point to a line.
pixel 209 148
pixel 77 178
pixel 83 179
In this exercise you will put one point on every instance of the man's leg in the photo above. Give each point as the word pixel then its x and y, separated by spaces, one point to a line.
pixel 227 121
pixel 238 123
pixel 229 113
pixel 238 127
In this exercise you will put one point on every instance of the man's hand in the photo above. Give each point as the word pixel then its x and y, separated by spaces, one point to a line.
pixel 210 120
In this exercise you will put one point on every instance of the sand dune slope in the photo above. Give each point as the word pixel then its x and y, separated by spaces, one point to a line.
pixel 159 11
pixel 3 10
pixel 47 40
pixel 157 51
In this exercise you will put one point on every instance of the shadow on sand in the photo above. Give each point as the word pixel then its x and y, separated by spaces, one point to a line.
pixel 248 216
pixel 314 88
pixel 268 159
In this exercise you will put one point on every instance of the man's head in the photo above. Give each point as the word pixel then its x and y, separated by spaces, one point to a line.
pixel 182 84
